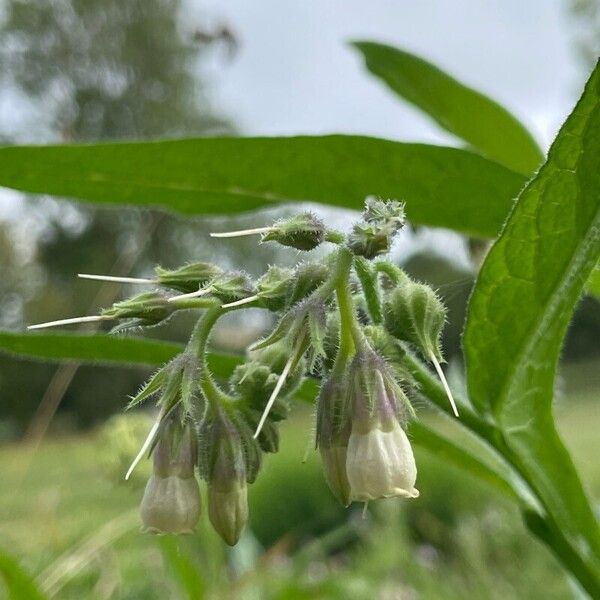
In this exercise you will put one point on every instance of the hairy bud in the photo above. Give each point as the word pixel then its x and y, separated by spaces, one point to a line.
pixel 230 287
pixel 227 472
pixel 144 309
pixel 273 288
pixel 381 220
pixel 303 232
pixel 413 313
pixel 333 432
pixel 307 278
pixel 188 278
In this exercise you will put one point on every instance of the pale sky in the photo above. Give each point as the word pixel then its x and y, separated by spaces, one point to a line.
pixel 295 74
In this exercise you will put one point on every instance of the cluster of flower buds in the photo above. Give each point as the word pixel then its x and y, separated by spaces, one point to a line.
pixel 344 320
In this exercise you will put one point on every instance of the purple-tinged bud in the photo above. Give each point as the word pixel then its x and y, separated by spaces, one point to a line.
pixel 171 502
pixel 231 459
pixel 228 509
pixel 379 460
pixel 333 432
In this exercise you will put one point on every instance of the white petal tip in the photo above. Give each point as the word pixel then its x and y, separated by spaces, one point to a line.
pixel 240 233
pixel 240 302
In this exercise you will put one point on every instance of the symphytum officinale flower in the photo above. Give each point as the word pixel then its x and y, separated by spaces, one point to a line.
pixel 171 502
pixel 228 454
pixel 333 433
pixel 379 461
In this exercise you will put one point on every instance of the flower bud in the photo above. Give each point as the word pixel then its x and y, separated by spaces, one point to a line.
pixel 171 502
pixel 188 278
pixel 307 278
pixel 381 220
pixel 230 287
pixel 379 460
pixel 384 213
pixel 369 240
pixel 145 309
pixel 273 288
pixel 228 510
pixel 413 313
pixel 228 457
pixel 303 329
pixel 303 232
pixel 333 431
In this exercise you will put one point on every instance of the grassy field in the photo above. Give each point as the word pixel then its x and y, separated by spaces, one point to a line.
pixel 68 516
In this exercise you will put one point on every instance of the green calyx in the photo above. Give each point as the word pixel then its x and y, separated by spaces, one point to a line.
pixel 303 232
pixel 150 308
pixel 188 278
pixel 414 313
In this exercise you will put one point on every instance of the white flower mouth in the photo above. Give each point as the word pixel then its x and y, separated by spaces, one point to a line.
pixel 381 464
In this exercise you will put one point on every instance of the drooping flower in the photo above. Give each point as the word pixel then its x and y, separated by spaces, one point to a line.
pixel 232 459
pixel 333 432
pixel 171 502
pixel 379 460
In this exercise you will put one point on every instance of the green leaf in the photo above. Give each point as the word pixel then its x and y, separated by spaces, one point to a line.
pixel 520 309
pixel 98 348
pixel 463 111
pixel 498 475
pixel 442 187
pixel 95 348
pixel 19 584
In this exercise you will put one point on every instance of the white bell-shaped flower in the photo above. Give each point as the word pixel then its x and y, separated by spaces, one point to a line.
pixel 171 502
pixel 380 464
pixel 379 460
pixel 170 505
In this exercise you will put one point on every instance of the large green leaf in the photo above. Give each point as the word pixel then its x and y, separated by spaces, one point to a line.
pixel 96 348
pixel 100 348
pixel 463 111
pixel 443 187
pixel 520 309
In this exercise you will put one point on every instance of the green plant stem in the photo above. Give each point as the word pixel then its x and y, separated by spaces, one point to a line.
pixel 395 273
pixel 351 337
pixel 570 559
pixel 198 343
pixel 368 281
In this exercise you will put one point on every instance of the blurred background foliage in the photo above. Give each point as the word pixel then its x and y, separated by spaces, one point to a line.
pixel 85 70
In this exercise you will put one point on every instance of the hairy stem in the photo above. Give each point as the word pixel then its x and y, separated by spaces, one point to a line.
pixel 368 281
pixel 198 343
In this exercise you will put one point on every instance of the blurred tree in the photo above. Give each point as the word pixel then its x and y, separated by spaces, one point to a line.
pixel 90 70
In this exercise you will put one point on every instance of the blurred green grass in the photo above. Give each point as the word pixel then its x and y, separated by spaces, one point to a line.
pixel 459 540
